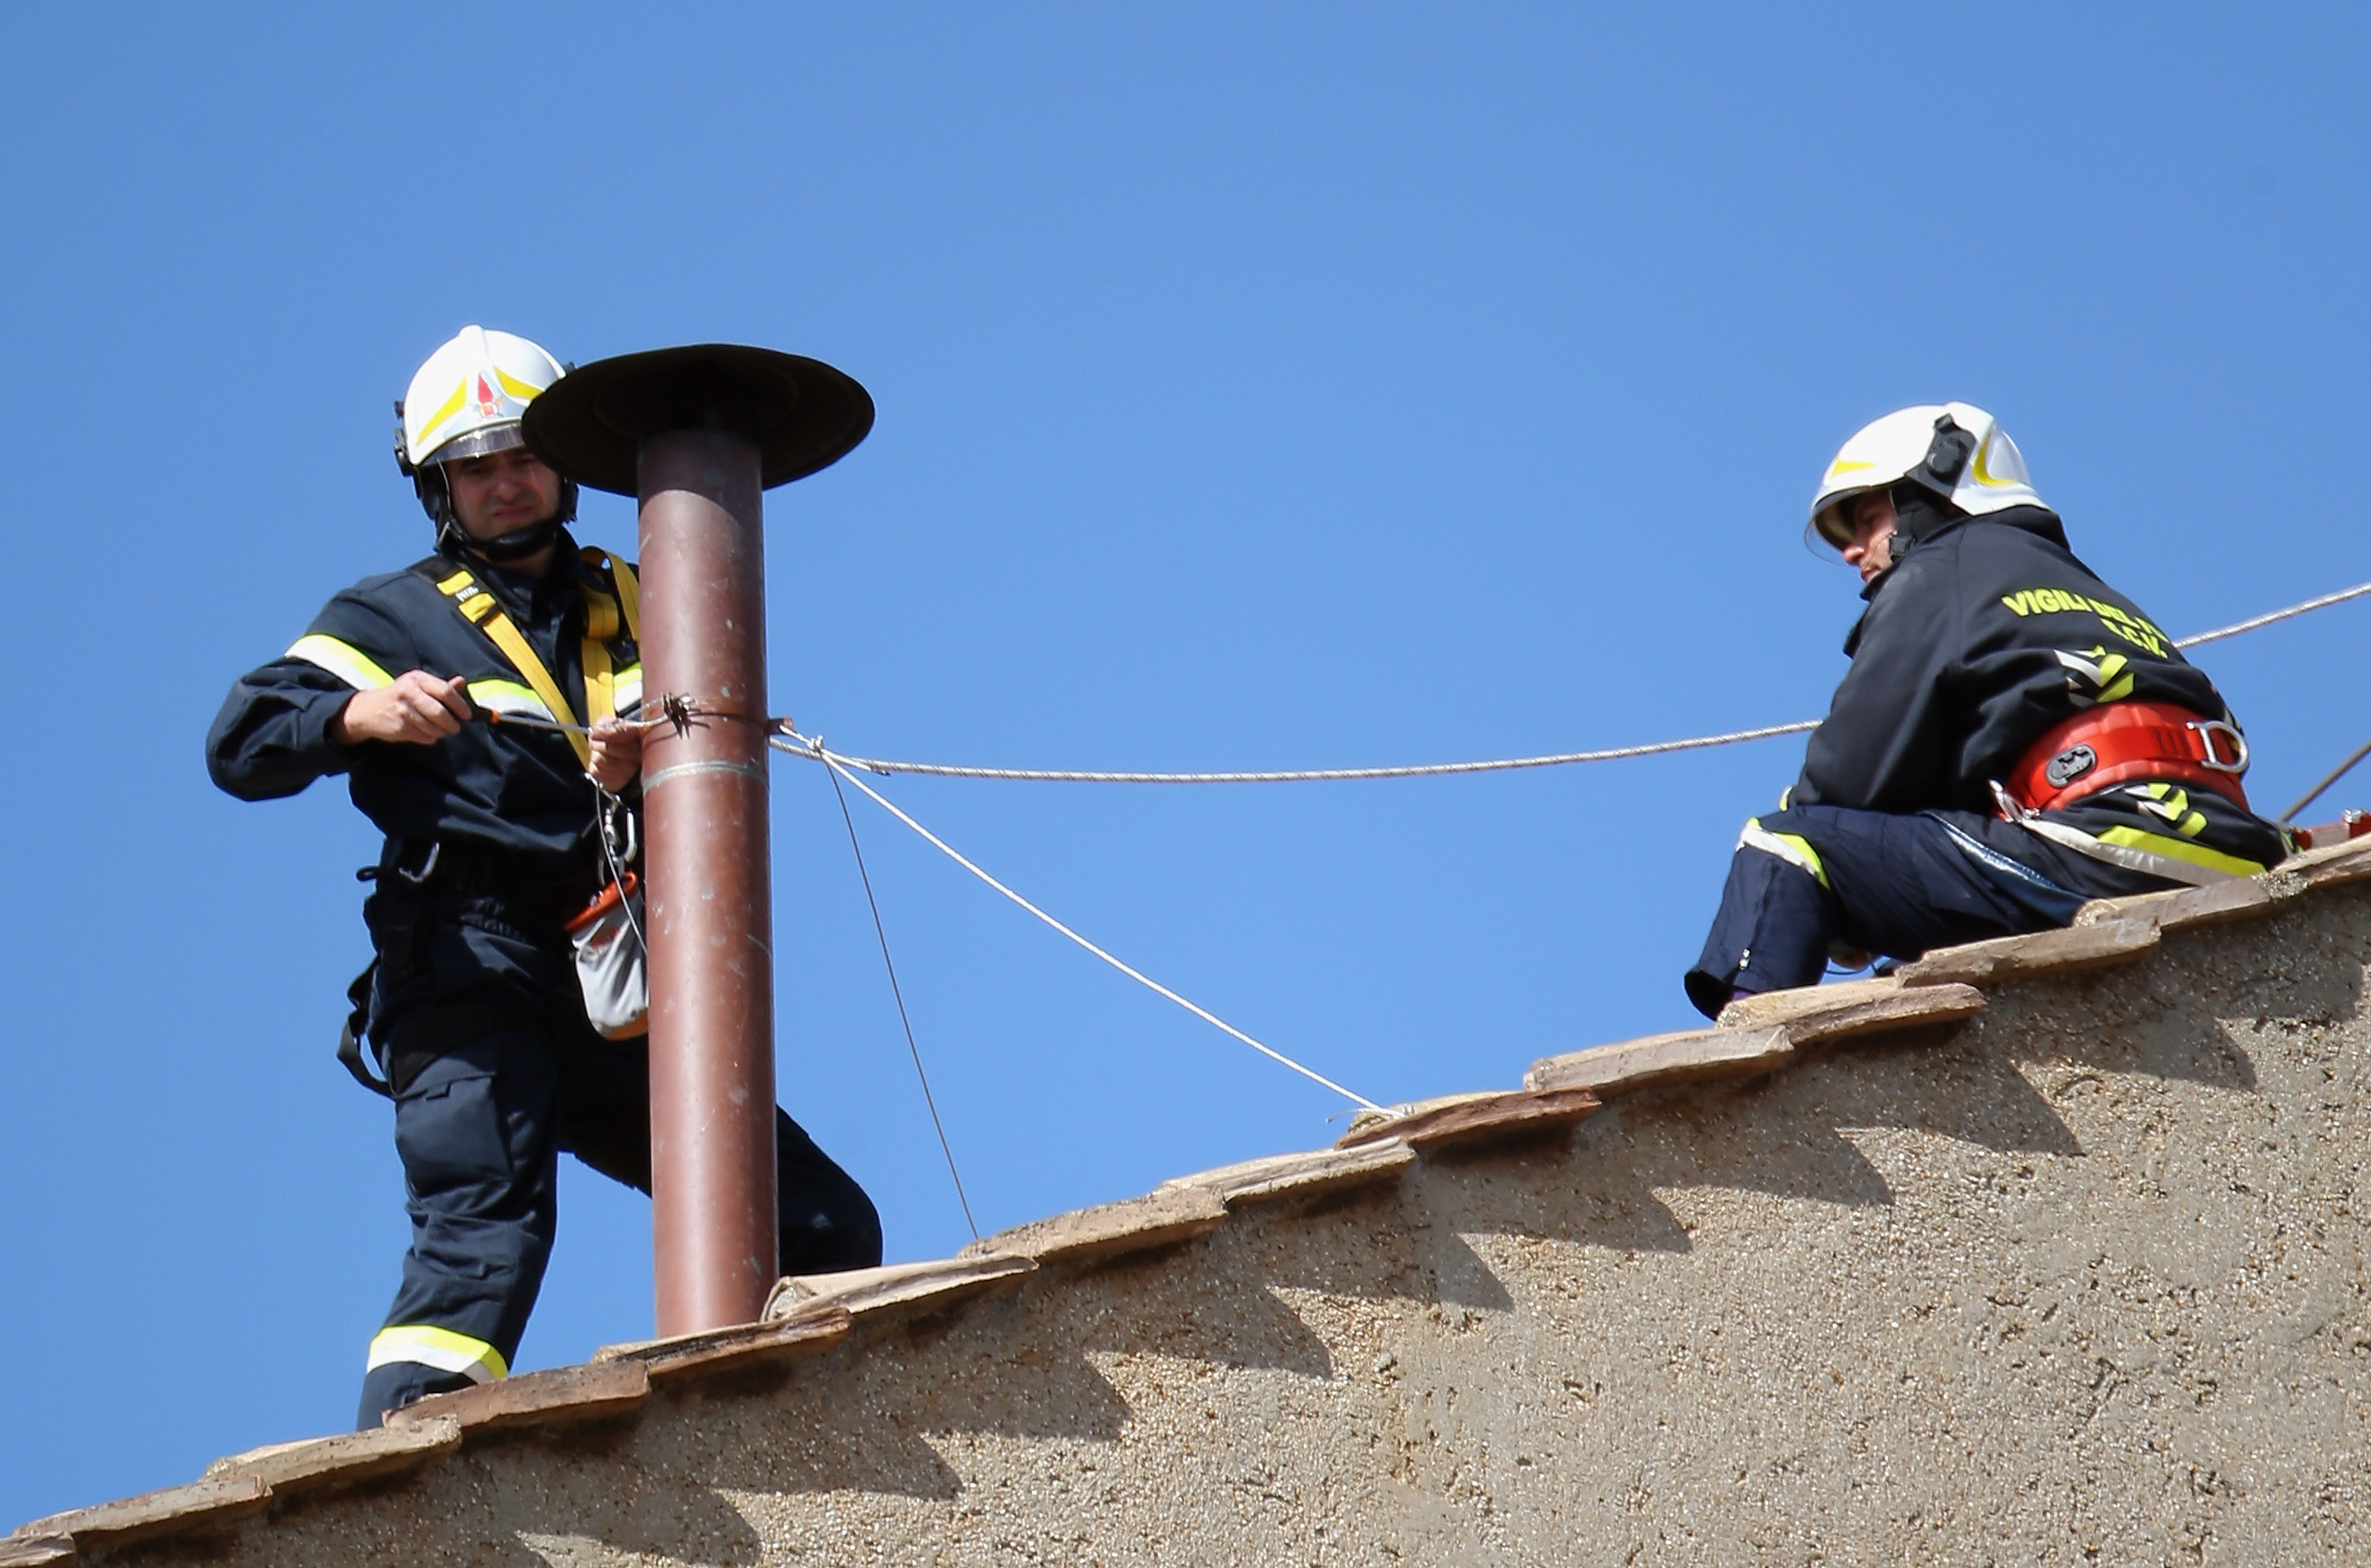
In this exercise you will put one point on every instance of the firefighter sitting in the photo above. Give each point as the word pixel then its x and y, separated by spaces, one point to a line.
pixel 2014 737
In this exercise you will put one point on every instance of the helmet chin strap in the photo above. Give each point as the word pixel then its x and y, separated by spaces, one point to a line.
pixel 516 545
pixel 436 492
pixel 1918 513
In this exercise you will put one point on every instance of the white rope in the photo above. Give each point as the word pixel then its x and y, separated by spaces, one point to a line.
pixel 1323 775
pixel 2235 627
pixel 1496 765
pixel 799 745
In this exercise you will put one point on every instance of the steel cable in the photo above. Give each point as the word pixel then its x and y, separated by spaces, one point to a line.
pixel 928 1099
pixel 883 765
pixel 801 745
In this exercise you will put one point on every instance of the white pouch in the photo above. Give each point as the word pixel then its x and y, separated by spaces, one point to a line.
pixel 612 968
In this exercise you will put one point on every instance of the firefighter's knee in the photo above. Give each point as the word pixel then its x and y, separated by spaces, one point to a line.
pixel 1776 916
pixel 1786 847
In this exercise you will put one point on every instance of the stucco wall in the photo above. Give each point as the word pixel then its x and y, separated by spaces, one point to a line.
pixel 2077 1281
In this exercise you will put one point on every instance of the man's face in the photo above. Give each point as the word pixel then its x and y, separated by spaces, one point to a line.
pixel 1872 550
pixel 501 491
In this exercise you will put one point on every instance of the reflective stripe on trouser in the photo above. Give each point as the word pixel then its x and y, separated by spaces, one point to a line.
pixel 2153 854
pixel 440 1348
pixel 1792 847
pixel 1811 877
pixel 479 1130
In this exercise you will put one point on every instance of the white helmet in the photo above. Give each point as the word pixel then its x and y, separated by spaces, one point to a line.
pixel 1955 450
pixel 467 400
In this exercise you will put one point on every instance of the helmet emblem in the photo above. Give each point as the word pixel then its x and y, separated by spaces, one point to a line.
pixel 487 405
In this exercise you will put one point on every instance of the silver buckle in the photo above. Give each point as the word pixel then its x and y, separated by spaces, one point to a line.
pixel 2207 729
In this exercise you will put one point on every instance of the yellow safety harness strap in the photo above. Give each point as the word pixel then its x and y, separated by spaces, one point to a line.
pixel 479 608
pixel 601 623
pixel 600 680
pixel 629 593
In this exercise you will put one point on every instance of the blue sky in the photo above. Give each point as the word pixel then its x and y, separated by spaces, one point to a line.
pixel 1258 386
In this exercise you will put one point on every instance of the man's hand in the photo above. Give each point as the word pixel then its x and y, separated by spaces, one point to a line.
pixel 616 754
pixel 417 709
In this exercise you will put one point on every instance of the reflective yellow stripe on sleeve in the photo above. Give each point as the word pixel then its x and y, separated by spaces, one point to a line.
pixel 626 688
pixel 441 1348
pixel 343 660
pixel 1792 847
pixel 507 696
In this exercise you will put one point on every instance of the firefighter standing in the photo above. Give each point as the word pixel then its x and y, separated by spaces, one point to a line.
pixel 473 1005
pixel 2014 737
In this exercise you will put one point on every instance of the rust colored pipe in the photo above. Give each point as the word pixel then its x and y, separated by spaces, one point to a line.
pixel 708 857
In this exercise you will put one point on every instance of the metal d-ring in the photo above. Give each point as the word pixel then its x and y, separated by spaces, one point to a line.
pixel 2207 729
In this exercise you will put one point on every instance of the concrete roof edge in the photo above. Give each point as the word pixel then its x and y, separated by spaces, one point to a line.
pixel 1757 1036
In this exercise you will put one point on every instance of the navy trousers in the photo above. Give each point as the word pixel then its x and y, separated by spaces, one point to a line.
pixel 1809 879
pixel 480 1130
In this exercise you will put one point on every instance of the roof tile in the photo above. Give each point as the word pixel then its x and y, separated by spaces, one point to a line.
pixel 1633 1064
pixel 152 1514
pixel 1156 1219
pixel 735 1348
pixel 1298 1175
pixel 536 1398
pixel 937 1282
pixel 2060 951
pixel 1816 1014
pixel 2185 908
pixel 1376 1115
pixel 321 1463
pixel 1466 1118
pixel 2350 861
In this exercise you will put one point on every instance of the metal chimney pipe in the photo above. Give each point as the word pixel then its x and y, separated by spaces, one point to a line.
pixel 708 914
pixel 696 434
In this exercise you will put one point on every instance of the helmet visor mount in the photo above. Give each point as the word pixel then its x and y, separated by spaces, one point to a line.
pixel 1917 512
pixel 477 444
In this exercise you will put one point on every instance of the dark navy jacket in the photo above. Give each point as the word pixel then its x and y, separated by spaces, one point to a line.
pixel 509 789
pixel 1985 633
pixel 478 945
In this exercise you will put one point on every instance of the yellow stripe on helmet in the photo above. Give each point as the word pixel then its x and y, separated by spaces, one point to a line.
pixel 515 387
pixel 452 406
